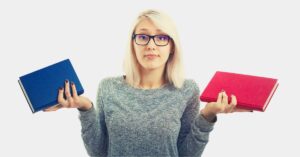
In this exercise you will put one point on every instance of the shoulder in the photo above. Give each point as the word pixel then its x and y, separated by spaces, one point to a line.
pixel 107 82
pixel 189 89
pixel 110 80
pixel 190 85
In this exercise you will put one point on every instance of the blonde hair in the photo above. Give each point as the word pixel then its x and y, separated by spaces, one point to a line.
pixel 174 69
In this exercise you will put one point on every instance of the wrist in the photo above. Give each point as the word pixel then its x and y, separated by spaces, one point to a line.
pixel 86 107
pixel 209 116
pixel 207 112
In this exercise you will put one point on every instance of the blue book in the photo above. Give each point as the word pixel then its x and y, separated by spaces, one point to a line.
pixel 41 87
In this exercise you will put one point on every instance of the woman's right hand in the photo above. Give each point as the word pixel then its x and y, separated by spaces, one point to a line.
pixel 71 101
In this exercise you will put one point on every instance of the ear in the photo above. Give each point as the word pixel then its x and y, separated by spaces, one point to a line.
pixel 171 56
pixel 172 52
pixel 172 48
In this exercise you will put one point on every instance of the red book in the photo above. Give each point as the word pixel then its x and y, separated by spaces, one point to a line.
pixel 252 92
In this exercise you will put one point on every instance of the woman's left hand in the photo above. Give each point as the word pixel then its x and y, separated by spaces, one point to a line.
pixel 221 106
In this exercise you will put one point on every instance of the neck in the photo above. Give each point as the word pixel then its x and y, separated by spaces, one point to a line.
pixel 151 79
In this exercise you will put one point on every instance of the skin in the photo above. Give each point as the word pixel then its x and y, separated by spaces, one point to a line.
pixel 152 70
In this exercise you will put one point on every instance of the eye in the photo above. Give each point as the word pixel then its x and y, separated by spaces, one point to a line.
pixel 163 37
pixel 142 37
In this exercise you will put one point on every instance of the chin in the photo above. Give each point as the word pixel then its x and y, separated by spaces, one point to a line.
pixel 151 66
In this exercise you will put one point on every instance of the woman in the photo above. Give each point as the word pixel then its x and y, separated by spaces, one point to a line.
pixel 152 110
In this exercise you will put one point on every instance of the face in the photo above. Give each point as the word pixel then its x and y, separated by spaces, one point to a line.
pixel 150 56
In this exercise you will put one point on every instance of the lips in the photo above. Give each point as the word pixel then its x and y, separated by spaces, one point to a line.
pixel 151 56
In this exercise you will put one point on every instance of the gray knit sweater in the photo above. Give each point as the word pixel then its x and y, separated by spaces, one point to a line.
pixel 128 121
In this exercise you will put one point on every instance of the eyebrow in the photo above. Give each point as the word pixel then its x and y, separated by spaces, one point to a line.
pixel 146 30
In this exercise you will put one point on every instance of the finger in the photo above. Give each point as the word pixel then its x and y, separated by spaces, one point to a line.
pixel 74 95
pixel 68 93
pixel 233 103
pixel 48 109
pixel 233 100
pixel 74 91
pixel 242 110
pixel 67 89
pixel 229 108
pixel 225 98
pixel 61 100
pixel 219 100
pixel 70 101
pixel 53 108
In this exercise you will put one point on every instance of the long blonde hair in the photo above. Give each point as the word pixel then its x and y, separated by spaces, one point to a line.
pixel 174 68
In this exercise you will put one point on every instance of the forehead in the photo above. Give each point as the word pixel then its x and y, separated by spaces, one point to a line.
pixel 147 26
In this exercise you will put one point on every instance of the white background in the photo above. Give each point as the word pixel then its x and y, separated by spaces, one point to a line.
pixel 259 37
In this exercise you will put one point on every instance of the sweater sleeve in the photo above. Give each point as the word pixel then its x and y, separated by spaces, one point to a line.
pixel 94 131
pixel 194 131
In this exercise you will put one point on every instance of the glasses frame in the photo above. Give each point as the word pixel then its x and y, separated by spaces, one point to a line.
pixel 150 37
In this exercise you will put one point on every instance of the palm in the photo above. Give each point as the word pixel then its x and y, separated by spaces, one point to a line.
pixel 71 101
pixel 222 106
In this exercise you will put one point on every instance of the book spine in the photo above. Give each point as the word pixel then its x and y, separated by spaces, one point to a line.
pixel 26 96
pixel 239 104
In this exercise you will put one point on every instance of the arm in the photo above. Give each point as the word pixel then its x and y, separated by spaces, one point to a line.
pixel 195 129
pixel 94 131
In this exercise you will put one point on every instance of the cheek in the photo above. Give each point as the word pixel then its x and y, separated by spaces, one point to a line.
pixel 165 52
pixel 138 49
pixel 138 52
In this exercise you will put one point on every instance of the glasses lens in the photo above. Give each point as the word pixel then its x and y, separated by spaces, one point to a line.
pixel 161 40
pixel 141 39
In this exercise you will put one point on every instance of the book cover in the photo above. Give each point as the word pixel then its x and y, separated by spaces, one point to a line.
pixel 40 87
pixel 252 92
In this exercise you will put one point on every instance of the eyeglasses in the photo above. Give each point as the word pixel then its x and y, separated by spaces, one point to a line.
pixel 143 39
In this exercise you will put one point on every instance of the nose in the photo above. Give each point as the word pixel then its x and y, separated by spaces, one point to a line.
pixel 151 45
